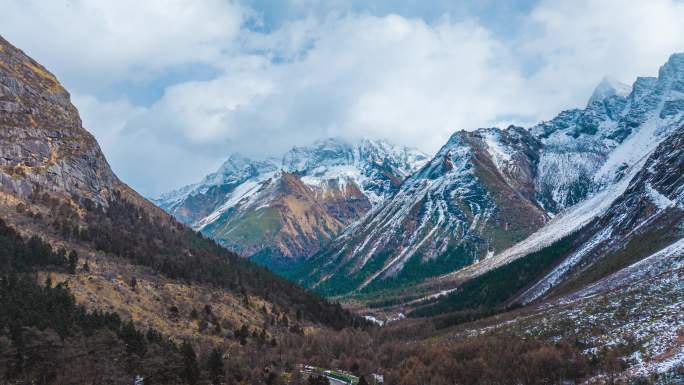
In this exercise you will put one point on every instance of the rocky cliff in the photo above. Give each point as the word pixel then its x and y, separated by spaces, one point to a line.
pixel 42 141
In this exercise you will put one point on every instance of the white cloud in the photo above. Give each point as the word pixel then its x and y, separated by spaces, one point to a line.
pixel 111 41
pixel 340 74
pixel 578 42
pixel 139 157
pixel 360 76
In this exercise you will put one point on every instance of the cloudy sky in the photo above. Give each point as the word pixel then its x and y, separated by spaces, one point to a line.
pixel 171 87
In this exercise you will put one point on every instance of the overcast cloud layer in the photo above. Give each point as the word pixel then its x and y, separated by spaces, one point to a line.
pixel 170 88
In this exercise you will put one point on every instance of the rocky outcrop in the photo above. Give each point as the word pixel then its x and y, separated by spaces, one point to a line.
pixel 42 141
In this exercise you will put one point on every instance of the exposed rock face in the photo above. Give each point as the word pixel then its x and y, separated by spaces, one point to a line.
pixel 279 211
pixel 42 142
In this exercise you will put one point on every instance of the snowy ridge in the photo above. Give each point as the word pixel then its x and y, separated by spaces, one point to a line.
pixel 244 194
pixel 361 163
pixel 443 208
pixel 340 179
pixel 326 162
pixel 667 259
pixel 609 87
pixel 586 150
pixel 435 218
pixel 639 147
pixel 235 170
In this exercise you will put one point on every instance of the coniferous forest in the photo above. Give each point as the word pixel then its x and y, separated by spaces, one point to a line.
pixel 45 337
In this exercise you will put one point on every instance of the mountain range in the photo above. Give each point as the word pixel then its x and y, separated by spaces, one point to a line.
pixel 282 211
pixel 490 193
pixel 386 217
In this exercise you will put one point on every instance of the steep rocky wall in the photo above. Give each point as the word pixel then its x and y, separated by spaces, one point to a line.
pixel 42 141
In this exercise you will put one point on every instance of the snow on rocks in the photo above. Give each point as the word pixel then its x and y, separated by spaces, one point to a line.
pixel 657 198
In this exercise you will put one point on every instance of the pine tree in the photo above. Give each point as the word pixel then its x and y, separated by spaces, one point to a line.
pixel 215 365
pixel 191 370
pixel 73 261
pixel 242 334
pixel 135 341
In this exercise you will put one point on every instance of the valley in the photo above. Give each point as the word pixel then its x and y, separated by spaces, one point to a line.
pixel 547 254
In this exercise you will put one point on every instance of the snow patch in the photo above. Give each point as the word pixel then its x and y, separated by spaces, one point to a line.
pixel 657 198
pixel 500 154
pixel 241 193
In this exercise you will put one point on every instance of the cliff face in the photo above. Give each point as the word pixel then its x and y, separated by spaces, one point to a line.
pixel 42 141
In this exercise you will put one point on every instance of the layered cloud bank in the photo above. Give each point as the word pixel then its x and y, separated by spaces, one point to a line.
pixel 194 81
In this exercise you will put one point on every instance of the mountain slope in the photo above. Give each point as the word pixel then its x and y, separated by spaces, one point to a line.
pixel 629 220
pixel 646 218
pixel 476 196
pixel 652 118
pixel 277 211
pixel 56 184
pixel 612 280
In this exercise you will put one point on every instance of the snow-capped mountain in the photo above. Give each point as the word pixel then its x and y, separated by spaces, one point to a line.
pixel 586 150
pixel 288 208
pixel 473 206
pixel 632 251
pixel 646 218
pixel 475 196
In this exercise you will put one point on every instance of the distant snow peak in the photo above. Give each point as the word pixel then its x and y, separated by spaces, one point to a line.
pixel 238 168
pixel 609 87
pixel 674 66
pixel 292 205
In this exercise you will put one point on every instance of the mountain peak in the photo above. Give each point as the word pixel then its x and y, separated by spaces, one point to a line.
pixel 674 66
pixel 609 87
pixel 238 168
pixel 235 161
